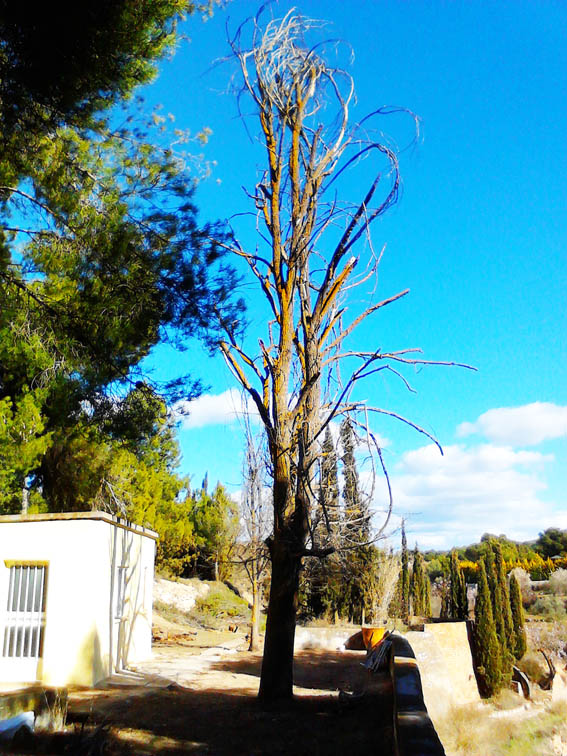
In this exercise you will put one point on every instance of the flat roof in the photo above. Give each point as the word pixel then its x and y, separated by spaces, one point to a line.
pixel 119 522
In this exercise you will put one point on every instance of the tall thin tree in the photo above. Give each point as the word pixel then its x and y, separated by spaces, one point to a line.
pixel 305 263
pixel 487 652
pixel 519 631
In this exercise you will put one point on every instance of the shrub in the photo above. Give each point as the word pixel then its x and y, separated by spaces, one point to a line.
pixel 525 583
pixel 533 665
pixel 558 583
pixel 550 607
pixel 221 602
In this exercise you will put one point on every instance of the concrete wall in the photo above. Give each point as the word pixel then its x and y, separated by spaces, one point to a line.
pixel 84 639
pixel 444 656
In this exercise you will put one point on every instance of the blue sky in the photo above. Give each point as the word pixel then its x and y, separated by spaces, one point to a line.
pixel 479 236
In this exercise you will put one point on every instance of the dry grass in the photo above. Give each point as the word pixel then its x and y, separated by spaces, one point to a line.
pixel 483 730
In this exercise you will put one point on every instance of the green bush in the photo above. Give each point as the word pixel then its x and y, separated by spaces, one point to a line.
pixel 534 666
pixel 558 583
pixel 550 607
pixel 220 603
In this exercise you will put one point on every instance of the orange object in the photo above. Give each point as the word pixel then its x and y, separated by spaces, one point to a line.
pixel 372 636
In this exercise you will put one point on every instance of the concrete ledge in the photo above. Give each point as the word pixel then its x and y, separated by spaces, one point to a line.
pixel 414 733
pixel 95 514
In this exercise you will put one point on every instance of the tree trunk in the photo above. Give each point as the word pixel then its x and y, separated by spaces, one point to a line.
pixel 254 619
pixel 276 681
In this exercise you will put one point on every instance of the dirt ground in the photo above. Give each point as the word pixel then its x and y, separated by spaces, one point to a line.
pixel 198 696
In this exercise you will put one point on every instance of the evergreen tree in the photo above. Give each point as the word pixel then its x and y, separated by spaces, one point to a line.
pixel 427 596
pixel 322 578
pixel 458 590
pixel 356 516
pixel 106 255
pixel 506 609
pixel 487 653
pixel 517 610
pixel 326 517
pixel 355 532
pixel 417 585
pixel 404 576
pixel 500 607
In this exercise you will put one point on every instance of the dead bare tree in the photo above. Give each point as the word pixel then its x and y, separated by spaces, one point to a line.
pixel 252 553
pixel 305 267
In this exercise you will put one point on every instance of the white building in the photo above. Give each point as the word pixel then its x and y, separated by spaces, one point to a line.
pixel 75 597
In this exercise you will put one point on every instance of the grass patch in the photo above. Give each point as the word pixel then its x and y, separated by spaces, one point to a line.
pixel 219 605
pixel 172 613
pixel 471 731
pixel 214 611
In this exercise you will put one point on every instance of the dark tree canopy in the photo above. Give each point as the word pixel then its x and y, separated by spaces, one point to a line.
pixel 101 252
pixel 552 542
pixel 62 62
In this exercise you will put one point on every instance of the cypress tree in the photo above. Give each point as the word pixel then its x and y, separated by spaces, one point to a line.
pixel 328 519
pixel 356 529
pixel 416 585
pixel 356 514
pixel 500 569
pixel 496 595
pixel 487 651
pixel 517 611
pixel 490 572
pixel 458 590
pixel 329 488
pixel 418 588
pixel 395 607
pixel 427 596
pixel 405 574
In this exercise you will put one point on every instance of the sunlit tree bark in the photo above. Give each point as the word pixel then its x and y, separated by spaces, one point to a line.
pixel 305 265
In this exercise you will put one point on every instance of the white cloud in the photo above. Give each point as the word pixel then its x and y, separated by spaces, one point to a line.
pixel 520 426
pixel 214 409
pixel 454 499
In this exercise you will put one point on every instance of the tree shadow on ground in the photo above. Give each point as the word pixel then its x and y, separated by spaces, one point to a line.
pixel 320 670
pixel 230 721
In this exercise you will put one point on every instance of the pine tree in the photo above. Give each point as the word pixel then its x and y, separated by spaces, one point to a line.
pixel 487 652
pixel 517 611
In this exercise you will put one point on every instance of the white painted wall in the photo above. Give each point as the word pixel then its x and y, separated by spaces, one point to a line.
pixel 84 639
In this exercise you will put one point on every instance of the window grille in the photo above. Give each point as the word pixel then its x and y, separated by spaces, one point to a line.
pixel 25 612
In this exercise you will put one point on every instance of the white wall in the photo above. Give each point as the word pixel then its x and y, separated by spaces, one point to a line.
pixel 82 632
